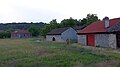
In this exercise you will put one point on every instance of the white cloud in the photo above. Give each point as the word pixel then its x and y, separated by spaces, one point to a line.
pixel 46 10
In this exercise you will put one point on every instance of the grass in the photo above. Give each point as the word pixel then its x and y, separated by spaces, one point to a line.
pixel 34 53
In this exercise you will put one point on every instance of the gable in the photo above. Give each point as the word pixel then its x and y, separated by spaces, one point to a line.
pixel 70 30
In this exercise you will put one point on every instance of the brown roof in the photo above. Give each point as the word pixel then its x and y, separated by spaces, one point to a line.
pixel 57 31
pixel 21 32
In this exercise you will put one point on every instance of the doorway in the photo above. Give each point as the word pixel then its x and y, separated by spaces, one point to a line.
pixel 53 39
pixel 91 40
pixel 118 40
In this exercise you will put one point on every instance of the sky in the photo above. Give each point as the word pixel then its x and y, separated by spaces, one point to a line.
pixel 46 10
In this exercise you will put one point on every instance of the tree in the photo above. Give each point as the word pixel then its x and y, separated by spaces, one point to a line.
pixel 54 24
pixel 89 19
pixel 34 30
pixel 69 22
pixel 5 34
pixel 83 22
pixel 48 27
pixel 54 21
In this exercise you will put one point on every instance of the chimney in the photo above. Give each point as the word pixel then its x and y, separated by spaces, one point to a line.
pixel 107 23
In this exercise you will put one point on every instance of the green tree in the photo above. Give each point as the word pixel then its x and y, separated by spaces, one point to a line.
pixel 69 22
pixel 89 19
pixel 54 24
pixel 54 21
pixel 34 30
pixel 5 34
pixel 48 27
pixel 83 22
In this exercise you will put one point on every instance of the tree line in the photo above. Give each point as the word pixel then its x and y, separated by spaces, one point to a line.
pixel 90 18
pixel 41 29
pixel 7 28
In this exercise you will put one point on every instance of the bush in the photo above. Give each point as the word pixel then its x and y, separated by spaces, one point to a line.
pixel 4 34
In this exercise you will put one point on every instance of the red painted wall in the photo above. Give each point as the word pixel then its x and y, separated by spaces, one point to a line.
pixel 90 39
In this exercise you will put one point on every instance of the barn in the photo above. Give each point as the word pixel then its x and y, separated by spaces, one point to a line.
pixel 62 34
pixel 20 34
pixel 105 33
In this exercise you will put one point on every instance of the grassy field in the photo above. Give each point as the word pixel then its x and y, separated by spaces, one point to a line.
pixel 35 53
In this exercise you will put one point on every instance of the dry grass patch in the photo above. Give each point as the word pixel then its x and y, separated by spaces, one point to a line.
pixel 106 64
pixel 42 52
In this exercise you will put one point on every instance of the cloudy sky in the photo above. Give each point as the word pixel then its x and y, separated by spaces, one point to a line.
pixel 46 10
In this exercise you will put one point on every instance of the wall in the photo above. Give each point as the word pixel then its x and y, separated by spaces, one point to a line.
pixel 112 41
pixel 50 37
pixel 102 40
pixel 105 40
pixel 69 34
pixel 20 35
pixel 82 39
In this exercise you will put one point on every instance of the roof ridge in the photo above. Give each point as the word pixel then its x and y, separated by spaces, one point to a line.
pixel 58 30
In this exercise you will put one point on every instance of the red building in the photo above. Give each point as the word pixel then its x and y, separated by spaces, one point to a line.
pixel 20 34
pixel 105 33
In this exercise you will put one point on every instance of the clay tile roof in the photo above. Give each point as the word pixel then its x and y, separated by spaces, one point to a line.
pixel 99 26
pixel 20 32
pixel 57 31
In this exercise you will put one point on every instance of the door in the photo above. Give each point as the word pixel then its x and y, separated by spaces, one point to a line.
pixel 53 39
pixel 90 40
pixel 19 35
pixel 118 40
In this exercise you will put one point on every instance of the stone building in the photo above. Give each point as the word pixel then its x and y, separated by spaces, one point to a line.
pixel 61 34
pixel 105 33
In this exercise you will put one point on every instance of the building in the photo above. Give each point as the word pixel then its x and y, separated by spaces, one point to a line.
pixel 105 33
pixel 62 34
pixel 20 34
pixel 78 28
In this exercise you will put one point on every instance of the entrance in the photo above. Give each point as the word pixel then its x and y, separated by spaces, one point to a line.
pixel 118 40
pixel 90 40
pixel 53 39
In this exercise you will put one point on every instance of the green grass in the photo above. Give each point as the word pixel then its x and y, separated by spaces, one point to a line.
pixel 29 53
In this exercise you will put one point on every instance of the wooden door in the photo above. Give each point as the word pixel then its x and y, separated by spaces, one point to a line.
pixel 90 40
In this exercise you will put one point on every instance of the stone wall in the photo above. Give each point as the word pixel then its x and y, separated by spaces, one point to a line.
pixel 105 40
pixel 102 40
pixel 112 41
pixel 50 37
pixel 69 34
pixel 82 39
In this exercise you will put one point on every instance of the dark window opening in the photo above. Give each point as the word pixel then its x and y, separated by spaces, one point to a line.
pixel 118 40
pixel 53 39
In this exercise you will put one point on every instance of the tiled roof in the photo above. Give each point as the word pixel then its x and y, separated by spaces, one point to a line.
pixel 99 26
pixel 20 32
pixel 57 31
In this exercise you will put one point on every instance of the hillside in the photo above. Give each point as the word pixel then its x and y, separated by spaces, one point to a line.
pixel 12 26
